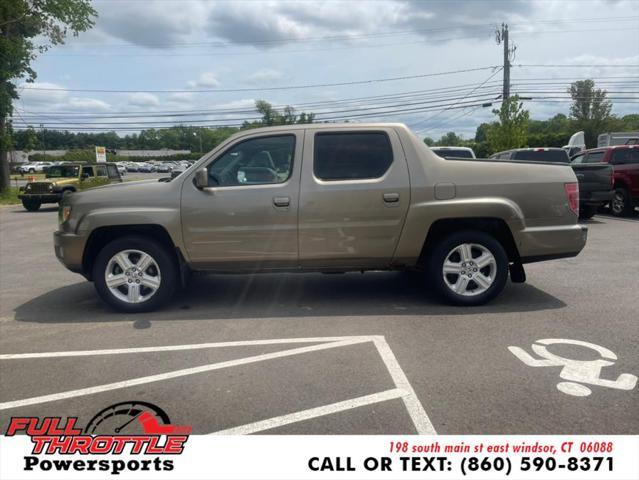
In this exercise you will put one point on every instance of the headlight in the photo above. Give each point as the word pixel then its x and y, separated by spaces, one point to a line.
pixel 51 187
pixel 66 213
pixel 28 188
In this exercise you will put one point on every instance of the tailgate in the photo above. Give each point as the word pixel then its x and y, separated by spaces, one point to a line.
pixel 593 177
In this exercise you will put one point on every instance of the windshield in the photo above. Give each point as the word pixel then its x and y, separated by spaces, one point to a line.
pixel 542 155
pixel 60 171
pixel 451 152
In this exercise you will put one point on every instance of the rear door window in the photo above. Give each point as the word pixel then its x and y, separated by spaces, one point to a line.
pixel 578 158
pixel 594 157
pixel 351 155
pixel 625 156
pixel 101 171
pixel 112 171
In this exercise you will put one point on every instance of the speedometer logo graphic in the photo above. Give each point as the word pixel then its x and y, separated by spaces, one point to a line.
pixel 134 418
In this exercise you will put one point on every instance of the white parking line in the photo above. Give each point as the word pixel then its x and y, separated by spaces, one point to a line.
pixel 173 348
pixel 413 405
pixel 313 413
pixel 403 388
pixel 174 374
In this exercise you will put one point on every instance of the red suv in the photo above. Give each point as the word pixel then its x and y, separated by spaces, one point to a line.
pixel 625 162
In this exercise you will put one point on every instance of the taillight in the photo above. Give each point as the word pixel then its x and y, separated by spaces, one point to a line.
pixel 572 193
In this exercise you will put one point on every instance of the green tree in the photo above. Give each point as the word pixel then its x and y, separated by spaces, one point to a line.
pixel 511 130
pixel 429 141
pixel 481 132
pixel 590 109
pixel 31 141
pixel 270 116
pixel 450 139
pixel 20 22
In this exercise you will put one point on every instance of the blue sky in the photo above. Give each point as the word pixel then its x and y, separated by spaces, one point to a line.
pixel 193 45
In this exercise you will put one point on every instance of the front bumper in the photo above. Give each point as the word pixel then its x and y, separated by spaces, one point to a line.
pixel 545 243
pixel 596 198
pixel 69 248
pixel 41 197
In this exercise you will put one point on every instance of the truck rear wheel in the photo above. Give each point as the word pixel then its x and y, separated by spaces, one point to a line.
pixel 135 274
pixel 468 268
pixel 621 204
pixel 31 205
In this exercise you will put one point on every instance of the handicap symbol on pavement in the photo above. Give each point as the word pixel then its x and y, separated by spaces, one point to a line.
pixel 577 372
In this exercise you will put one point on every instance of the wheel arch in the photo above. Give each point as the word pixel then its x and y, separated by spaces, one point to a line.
pixel 101 236
pixel 495 227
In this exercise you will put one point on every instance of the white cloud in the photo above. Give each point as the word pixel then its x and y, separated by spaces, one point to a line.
pixel 264 76
pixel 143 99
pixel 53 97
pixel 31 93
pixel 205 80
pixel 180 97
pixel 88 104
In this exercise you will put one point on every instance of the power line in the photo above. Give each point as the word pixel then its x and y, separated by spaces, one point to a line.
pixel 529 82
pixel 438 103
pixel 476 88
pixel 380 114
pixel 260 89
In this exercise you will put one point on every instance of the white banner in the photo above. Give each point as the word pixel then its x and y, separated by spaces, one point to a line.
pixel 100 154
pixel 340 457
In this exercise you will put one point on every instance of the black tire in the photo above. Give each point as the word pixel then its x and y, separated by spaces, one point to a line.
pixel 31 205
pixel 442 249
pixel 621 203
pixel 31 170
pixel 587 211
pixel 165 260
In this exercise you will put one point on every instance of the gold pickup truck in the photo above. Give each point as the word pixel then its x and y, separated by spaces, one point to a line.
pixel 66 178
pixel 325 198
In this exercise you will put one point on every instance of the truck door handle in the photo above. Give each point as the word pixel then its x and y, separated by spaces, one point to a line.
pixel 391 197
pixel 281 201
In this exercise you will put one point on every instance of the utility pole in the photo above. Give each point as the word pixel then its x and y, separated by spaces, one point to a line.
pixel 501 36
pixel 44 145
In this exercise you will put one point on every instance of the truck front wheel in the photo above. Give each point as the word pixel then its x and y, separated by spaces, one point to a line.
pixel 468 268
pixel 135 274
pixel 31 205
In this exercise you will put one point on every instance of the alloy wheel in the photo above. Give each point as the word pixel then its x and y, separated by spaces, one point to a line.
pixel 132 276
pixel 469 269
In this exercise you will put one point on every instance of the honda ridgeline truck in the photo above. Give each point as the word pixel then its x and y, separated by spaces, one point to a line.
pixel 325 198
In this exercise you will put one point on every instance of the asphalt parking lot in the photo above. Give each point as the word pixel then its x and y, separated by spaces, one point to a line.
pixel 327 354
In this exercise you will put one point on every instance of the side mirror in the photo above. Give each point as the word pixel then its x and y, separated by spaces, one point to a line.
pixel 202 178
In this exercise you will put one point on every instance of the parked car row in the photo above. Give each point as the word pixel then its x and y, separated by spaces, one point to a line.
pixel 154 166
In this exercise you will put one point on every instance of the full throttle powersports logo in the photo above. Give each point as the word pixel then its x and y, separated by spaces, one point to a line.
pixel 129 428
